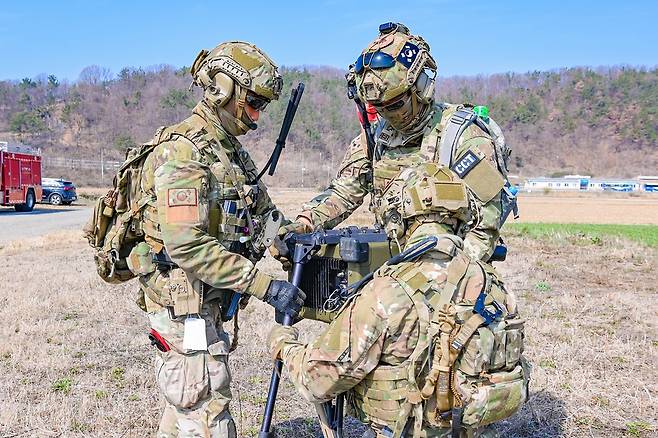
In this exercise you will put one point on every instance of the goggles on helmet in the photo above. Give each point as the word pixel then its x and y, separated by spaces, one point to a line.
pixel 256 102
pixel 379 60
pixel 374 60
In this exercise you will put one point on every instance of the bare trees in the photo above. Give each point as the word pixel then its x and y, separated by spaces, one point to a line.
pixel 554 120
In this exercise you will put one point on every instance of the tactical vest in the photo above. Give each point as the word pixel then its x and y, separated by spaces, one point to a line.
pixel 442 133
pixel 230 211
pixel 466 371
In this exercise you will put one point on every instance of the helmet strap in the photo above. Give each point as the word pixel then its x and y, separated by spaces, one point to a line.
pixel 240 102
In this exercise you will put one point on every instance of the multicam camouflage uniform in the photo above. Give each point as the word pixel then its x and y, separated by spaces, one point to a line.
pixel 409 136
pixel 413 355
pixel 198 212
pixel 409 349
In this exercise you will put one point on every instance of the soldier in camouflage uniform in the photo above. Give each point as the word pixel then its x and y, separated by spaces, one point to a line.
pixel 203 209
pixel 410 350
pixel 396 75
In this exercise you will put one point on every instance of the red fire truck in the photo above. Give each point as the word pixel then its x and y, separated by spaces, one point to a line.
pixel 20 177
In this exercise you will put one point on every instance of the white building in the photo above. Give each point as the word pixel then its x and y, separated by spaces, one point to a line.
pixel 586 183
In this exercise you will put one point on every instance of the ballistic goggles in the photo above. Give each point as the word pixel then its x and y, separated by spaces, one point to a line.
pixel 381 60
pixel 256 102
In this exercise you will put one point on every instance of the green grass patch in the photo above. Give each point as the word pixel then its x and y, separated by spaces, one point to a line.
pixel 636 428
pixel 543 286
pixel 63 385
pixel 644 234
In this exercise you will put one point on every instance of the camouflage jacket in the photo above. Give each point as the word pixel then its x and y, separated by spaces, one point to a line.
pixel 382 338
pixel 195 210
pixel 358 177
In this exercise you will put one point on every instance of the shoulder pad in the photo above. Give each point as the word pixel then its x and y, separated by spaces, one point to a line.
pixel 355 152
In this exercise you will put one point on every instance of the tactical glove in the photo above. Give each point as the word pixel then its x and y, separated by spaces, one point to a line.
pixel 278 249
pixel 285 297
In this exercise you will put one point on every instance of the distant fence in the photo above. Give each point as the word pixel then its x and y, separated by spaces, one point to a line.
pixel 294 171
pixel 81 171
pixel 75 163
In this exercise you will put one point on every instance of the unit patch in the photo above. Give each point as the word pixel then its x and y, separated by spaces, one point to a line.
pixel 408 54
pixel 466 164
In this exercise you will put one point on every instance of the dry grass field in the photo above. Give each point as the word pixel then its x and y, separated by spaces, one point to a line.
pixel 75 360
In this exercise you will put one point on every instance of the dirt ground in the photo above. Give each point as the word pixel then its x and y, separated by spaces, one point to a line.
pixel 589 210
pixel 75 360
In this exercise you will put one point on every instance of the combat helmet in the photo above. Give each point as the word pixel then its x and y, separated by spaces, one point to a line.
pixel 396 74
pixel 428 195
pixel 239 69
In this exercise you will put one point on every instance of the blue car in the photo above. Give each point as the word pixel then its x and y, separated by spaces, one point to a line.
pixel 58 191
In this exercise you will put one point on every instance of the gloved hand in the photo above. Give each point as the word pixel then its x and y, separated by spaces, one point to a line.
pixel 300 226
pixel 278 249
pixel 285 297
pixel 279 336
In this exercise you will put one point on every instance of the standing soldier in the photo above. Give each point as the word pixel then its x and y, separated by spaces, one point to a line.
pixel 431 347
pixel 202 209
pixel 396 74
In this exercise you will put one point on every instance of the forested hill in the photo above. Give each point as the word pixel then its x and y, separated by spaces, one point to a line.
pixel 601 122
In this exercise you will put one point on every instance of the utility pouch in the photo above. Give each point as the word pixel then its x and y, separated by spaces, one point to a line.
pixel 477 353
pixel 493 398
pixel 96 228
pixel 187 300
pixel 140 259
pixel 513 342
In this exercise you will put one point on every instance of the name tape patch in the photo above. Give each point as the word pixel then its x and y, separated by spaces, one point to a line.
pixel 465 164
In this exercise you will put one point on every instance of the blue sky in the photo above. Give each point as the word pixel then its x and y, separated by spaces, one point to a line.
pixel 467 37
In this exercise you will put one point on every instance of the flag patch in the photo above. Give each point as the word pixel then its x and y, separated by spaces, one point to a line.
pixel 178 197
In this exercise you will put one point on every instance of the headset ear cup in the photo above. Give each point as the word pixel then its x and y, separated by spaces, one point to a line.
pixel 220 89
pixel 425 87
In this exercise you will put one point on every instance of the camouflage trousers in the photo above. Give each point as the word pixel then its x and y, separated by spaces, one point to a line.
pixel 194 384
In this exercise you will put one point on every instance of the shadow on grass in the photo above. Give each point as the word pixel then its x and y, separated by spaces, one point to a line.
pixel 309 427
pixel 543 416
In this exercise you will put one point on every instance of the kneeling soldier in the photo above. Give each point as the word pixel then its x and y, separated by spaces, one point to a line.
pixel 430 347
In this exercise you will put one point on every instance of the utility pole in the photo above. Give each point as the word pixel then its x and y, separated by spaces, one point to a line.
pixel 102 168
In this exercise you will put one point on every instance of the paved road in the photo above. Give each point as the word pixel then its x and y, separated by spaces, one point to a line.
pixel 42 220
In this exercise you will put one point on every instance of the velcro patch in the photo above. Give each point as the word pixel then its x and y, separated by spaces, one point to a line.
pixel 179 197
pixel 466 163
pixel 182 206
pixel 408 54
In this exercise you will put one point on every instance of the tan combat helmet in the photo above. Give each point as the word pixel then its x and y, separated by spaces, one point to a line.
pixel 239 69
pixel 428 195
pixel 396 74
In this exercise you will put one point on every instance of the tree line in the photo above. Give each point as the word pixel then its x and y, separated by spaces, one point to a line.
pixel 601 122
